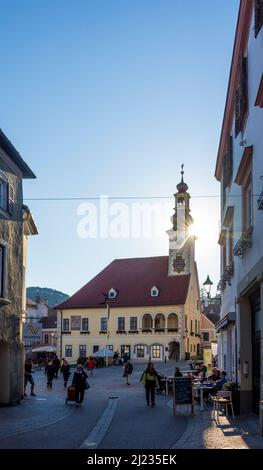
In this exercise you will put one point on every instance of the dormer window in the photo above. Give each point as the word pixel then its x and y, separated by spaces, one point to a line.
pixel 154 291
pixel 112 293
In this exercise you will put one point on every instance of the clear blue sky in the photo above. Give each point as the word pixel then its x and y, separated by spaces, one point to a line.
pixel 110 97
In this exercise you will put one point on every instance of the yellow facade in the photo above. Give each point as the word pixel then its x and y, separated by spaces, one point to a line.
pixel 158 332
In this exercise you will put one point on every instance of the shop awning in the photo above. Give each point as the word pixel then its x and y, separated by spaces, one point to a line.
pixel 228 319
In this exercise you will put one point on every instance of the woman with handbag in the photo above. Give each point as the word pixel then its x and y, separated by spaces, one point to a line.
pixel 80 383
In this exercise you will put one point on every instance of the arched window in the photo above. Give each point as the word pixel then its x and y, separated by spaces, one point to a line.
pixel 147 322
pixel 172 322
pixel 159 322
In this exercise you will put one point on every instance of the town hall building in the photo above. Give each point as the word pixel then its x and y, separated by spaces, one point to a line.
pixel 144 308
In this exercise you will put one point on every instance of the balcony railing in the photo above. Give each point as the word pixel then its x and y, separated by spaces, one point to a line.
pixel 103 332
pixel 121 332
pixel 243 243
pixel 226 277
pixel 133 332
pixel 159 330
pixel 84 332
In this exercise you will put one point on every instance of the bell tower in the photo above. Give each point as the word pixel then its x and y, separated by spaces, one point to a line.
pixel 181 240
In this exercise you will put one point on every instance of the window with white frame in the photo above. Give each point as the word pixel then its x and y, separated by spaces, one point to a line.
pixel 103 323
pixel 112 293
pixel 65 324
pixel 121 323
pixel 140 350
pixel 156 351
pixel 154 291
pixel 110 347
pixel 85 324
pixel 68 350
pixel 82 350
pixel 133 323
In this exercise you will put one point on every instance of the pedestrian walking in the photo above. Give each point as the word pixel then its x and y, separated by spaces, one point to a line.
pixel 50 371
pixel 28 377
pixel 65 370
pixel 56 363
pixel 91 364
pixel 79 382
pixel 150 382
pixel 128 368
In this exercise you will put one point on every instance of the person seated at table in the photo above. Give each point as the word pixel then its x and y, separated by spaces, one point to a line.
pixel 221 382
pixel 214 376
pixel 217 386
pixel 177 372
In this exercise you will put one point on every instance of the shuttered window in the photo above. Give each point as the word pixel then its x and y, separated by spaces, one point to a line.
pixel 258 16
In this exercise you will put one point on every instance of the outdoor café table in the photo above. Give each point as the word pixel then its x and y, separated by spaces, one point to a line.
pixel 201 388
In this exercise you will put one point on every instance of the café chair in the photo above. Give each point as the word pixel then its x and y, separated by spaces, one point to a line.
pixel 222 398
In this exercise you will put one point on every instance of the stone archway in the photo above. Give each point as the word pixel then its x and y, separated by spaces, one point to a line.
pixel 159 322
pixel 174 350
pixel 172 323
pixel 147 322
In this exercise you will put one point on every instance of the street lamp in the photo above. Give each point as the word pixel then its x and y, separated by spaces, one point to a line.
pixel 207 285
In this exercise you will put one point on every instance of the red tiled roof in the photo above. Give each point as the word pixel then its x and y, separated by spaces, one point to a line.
pixel 133 279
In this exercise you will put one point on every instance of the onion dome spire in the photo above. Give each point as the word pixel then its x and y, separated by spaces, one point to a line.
pixel 182 186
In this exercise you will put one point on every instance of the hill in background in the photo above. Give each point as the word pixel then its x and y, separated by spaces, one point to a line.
pixel 54 297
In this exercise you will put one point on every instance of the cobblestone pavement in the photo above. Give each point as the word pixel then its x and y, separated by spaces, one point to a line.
pixel 114 416
pixel 44 421
pixel 204 432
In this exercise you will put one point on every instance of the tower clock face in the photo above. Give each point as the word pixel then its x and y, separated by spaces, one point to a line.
pixel 179 264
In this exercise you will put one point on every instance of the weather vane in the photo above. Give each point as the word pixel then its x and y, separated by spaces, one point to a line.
pixel 182 172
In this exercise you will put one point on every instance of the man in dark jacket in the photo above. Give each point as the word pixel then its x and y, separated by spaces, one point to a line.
pixel 128 371
pixel 79 382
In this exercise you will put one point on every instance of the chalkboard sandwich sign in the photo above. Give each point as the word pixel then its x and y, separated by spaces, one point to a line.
pixel 183 392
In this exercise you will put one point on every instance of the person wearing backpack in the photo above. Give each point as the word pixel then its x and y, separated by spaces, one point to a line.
pixel 149 379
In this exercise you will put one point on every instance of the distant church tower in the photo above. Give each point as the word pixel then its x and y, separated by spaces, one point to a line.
pixel 181 240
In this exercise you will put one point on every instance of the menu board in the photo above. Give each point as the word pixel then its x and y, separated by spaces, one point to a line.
pixel 183 392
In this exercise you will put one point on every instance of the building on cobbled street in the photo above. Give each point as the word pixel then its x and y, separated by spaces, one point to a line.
pixel 15 223
pixel 239 169
pixel 144 308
